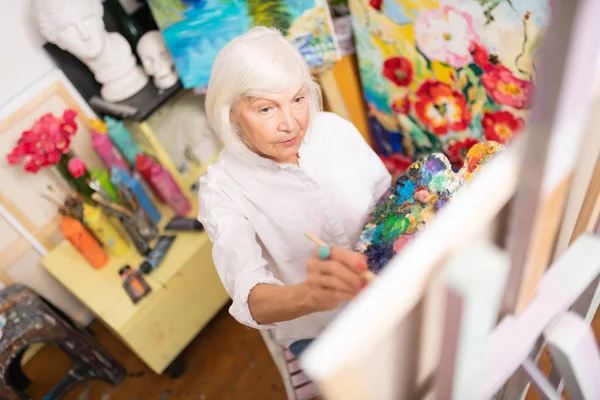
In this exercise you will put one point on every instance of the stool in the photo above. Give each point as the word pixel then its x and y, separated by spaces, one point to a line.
pixel 27 319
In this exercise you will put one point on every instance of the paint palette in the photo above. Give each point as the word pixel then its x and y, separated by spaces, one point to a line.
pixel 398 217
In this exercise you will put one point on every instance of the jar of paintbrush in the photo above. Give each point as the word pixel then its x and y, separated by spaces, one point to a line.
pixel 77 232
pixel 134 219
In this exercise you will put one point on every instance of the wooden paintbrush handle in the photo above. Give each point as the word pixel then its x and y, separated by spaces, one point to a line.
pixel 366 275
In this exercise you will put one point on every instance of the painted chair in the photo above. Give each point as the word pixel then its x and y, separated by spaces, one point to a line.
pixel 297 385
pixel 27 319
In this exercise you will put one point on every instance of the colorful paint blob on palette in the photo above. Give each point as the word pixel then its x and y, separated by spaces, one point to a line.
pixel 398 217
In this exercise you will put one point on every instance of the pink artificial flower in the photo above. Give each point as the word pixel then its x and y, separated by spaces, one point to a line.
pixel 30 165
pixel 43 144
pixel 76 167
pixel 13 158
pixel 69 115
pixel 53 157
pixel 446 34
pixel 63 145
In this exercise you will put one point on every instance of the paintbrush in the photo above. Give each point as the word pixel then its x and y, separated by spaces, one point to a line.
pixel 366 275
pixel 115 207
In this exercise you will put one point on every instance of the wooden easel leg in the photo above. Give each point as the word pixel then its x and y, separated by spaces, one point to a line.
pixel 332 94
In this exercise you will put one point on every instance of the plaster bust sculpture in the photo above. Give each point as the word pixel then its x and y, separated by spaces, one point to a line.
pixel 78 27
pixel 157 59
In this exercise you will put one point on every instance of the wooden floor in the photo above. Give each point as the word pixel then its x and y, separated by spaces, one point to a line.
pixel 225 361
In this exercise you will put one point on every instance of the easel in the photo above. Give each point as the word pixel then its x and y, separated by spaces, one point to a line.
pixel 428 326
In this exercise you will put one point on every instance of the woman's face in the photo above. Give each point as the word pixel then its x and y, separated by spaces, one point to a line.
pixel 274 125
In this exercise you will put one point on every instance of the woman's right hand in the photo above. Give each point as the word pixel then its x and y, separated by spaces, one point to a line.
pixel 336 279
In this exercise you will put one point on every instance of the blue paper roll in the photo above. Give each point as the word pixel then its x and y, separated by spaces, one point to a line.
pixel 133 184
pixel 143 199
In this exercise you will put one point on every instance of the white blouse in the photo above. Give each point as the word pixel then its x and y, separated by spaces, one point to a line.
pixel 256 211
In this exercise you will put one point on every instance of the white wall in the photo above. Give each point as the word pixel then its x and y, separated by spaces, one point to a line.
pixel 24 61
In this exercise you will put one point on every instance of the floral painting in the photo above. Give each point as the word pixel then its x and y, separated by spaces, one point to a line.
pixel 195 30
pixel 444 75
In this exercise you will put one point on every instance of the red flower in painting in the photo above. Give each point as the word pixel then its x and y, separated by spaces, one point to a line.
pixel 401 105
pixel 441 108
pixel 458 151
pixel 376 4
pixel 398 70
pixel 480 56
pixel 396 163
pixel 501 126
pixel 504 88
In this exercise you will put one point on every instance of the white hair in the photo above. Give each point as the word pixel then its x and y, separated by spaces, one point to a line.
pixel 260 62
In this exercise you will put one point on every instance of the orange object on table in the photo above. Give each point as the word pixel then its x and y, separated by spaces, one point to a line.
pixel 84 242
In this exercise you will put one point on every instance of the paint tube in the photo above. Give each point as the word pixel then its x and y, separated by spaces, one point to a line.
pixel 157 254
pixel 184 224
pixel 134 284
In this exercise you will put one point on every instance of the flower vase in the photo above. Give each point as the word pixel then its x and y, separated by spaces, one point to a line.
pixel 81 183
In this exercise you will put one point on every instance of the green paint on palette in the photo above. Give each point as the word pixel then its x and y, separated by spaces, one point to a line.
pixel 395 225
pixel 438 182
pixel 416 211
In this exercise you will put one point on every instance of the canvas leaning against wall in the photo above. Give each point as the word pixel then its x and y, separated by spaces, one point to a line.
pixel 195 30
pixel 445 75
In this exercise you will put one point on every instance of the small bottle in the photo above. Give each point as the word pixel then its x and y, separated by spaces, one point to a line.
pixel 134 283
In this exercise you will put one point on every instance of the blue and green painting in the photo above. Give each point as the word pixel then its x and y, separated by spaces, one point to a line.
pixel 196 30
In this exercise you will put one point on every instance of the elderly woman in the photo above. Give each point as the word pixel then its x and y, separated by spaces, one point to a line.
pixel 287 168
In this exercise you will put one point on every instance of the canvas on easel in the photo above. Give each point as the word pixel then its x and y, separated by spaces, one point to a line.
pixel 443 75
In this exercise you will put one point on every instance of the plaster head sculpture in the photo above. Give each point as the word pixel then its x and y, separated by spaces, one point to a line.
pixel 261 96
pixel 78 28
pixel 157 59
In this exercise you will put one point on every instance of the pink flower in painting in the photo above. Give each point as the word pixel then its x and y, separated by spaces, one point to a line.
pixel 446 34
pixel 504 88
pixel 76 167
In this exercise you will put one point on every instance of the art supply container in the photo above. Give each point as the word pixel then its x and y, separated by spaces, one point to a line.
pixel 120 136
pixel 103 179
pixel 134 185
pixel 141 230
pixel 157 254
pixel 134 283
pixel 83 241
pixel 143 165
pixel 110 238
pixel 107 152
pixel 170 191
